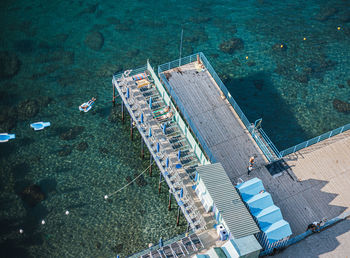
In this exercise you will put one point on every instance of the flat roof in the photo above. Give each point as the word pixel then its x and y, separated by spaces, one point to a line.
pixel 227 200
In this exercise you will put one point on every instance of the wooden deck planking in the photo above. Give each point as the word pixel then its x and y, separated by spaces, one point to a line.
pixel 323 168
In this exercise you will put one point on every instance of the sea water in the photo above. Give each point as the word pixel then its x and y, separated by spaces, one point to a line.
pixel 48 70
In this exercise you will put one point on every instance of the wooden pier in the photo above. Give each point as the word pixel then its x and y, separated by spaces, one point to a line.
pixel 312 184
pixel 203 127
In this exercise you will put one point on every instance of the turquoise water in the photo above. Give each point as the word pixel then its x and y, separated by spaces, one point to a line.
pixel 49 70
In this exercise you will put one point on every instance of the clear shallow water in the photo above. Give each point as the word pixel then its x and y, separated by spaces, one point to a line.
pixel 292 90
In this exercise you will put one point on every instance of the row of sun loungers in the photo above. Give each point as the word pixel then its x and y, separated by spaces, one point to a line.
pixel 183 247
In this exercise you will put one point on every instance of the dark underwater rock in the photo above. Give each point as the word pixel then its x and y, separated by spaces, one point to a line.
pixel 27 109
pixel 24 46
pixel 258 84
pixel 82 146
pixel 94 40
pixel 65 151
pixel 348 82
pixel 231 45
pixel 118 248
pixel 72 133
pixel 8 118
pixel 103 150
pixel 140 181
pixel 325 13
pixel 9 65
pixel 341 86
pixel 32 195
pixel 128 179
pixel 341 106
pixel 345 16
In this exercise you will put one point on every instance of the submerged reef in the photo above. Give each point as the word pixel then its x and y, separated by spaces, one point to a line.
pixel 9 65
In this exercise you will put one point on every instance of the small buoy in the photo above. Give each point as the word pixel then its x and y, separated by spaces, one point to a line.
pixel 246 57
pixel 338 28
pixel 304 38
pixel 282 46
pixel 43 222
pixel 106 197
pixel 67 212
pixel 21 231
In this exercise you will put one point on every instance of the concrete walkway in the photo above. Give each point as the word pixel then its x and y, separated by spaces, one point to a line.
pixel 332 242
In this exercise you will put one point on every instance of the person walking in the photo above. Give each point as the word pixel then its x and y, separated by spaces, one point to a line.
pixel 251 164
pixel 250 168
pixel 252 160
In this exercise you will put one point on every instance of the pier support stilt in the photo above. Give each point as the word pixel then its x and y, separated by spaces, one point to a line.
pixel 178 216
pixel 160 183
pixel 150 166
pixel 169 205
pixel 113 96
pixel 131 128
pixel 123 112
pixel 142 149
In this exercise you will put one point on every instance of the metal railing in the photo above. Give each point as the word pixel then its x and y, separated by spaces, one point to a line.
pixel 156 246
pixel 132 73
pixel 314 140
pixel 267 150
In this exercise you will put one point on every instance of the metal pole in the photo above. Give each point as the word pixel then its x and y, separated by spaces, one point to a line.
pixel 182 33
pixel 150 166
pixel 142 149
pixel 160 183
pixel 113 95
pixel 131 128
pixel 178 216
pixel 123 112
pixel 169 205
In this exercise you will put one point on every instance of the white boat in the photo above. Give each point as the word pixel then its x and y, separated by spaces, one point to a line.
pixel 39 125
pixel 5 137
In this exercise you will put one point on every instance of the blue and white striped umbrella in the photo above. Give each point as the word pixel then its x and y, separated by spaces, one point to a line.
pixel 127 93
pixel 141 118
pixel 158 147
pixel 150 102
pixel 164 128
pixel 167 162
pixel 150 132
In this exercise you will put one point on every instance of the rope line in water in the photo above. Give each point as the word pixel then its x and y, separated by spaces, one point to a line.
pixel 106 196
